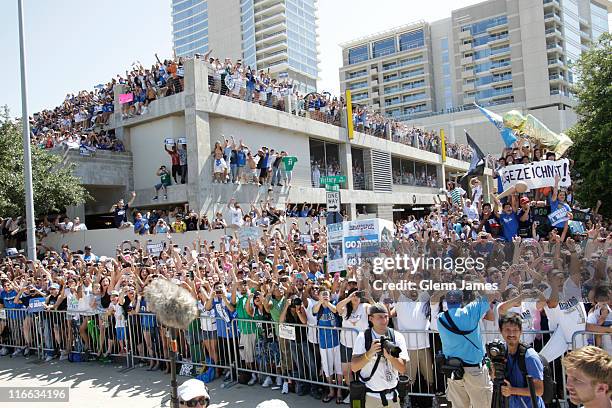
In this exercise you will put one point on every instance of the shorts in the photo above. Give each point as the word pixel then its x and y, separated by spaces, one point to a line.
pixel 209 335
pixel 120 333
pixel 263 173
pixel 247 347
pixel 346 353
pixel 330 361
pixel 160 185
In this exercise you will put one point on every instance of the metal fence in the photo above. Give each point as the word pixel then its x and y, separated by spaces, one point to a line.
pixel 310 356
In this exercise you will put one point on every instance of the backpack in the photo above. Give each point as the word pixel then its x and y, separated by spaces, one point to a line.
pixel 550 386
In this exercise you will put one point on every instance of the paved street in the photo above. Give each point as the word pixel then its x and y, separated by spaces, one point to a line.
pixel 94 385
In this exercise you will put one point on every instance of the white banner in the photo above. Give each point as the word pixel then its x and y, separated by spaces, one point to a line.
pixel 537 174
pixel 155 248
pixel 286 332
pixel 244 233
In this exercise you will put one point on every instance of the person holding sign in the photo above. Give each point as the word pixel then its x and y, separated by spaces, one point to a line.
pixel 560 211
pixel 164 182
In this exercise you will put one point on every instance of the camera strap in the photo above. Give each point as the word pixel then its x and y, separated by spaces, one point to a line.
pixel 452 327
pixel 368 344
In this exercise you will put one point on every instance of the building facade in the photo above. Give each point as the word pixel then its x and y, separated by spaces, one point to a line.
pixel 505 54
pixel 383 178
pixel 279 36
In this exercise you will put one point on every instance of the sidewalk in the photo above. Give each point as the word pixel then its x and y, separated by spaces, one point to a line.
pixel 96 385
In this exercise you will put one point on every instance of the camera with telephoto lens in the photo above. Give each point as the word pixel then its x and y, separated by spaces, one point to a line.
pixel 392 348
pixel 496 351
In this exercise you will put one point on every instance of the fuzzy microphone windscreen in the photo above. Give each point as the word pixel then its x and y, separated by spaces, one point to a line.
pixel 173 305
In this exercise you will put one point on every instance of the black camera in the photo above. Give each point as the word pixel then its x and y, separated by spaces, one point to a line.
pixel 296 302
pixel 496 352
pixel 392 348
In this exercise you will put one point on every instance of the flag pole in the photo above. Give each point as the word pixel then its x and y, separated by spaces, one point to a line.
pixel 27 154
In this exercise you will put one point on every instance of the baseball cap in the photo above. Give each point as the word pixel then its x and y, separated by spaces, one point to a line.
pixel 54 286
pixel 191 389
pixel 275 403
pixel 352 280
pixel 377 308
pixel 524 200
pixel 115 293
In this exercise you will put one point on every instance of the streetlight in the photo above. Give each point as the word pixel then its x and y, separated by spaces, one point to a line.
pixel 27 155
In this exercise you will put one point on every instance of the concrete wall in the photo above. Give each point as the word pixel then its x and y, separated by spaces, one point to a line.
pixel 147 146
pixel 104 168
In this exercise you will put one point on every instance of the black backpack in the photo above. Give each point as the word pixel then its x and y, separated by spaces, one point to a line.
pixel 550 386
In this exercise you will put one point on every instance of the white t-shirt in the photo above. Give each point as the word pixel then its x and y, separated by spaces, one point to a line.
pixel 435 311
pixel 570 290
pixel 236 216
pixel 606 339
pixel 412 315
pixel 569 316
pixel 355 324
pixel 311 320
pixel 385 377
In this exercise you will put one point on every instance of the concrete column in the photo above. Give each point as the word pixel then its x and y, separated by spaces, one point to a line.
pixel 346 164
pixel 120 132
pixel 384 211
pixel 76 211
pixel 197 132
pixel 288 105
pixel 351 211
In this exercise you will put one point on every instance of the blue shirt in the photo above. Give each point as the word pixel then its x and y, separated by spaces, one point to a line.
pixel 146 319
pixel 8 302
pixel 510 224
pixel 466 318
pixel 517 379
pixel 327 338
pixel 225 319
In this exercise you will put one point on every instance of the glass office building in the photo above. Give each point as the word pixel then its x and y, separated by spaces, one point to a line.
pixel 190 26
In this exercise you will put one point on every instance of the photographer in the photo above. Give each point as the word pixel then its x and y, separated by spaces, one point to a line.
pixel 462 345
pixel 521 361
pixel 379 356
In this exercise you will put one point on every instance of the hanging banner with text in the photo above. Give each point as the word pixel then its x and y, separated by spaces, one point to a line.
pixel 537 174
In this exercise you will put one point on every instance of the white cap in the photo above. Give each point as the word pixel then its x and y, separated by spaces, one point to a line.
pixel 191 389
pixel 275 403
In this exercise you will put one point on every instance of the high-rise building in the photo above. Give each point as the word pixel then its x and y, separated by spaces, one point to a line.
pixel 279 36
pixel 517 54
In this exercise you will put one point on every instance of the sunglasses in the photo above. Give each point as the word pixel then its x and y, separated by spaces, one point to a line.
pixel 194 402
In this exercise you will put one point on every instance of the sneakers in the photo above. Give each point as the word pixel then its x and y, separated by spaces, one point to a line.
pixel 154 198
pixel 4 351
pixel 17 352
pixel 285 389
pixel 26 352
pixel 347 400
pixel 227 376
pixel 267 382
pixel 165 197
pixel 253 379
pixel 49 358
pixel 63 356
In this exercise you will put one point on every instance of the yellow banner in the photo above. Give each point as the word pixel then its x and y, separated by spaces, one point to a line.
pixel 349 115
pixel 443 146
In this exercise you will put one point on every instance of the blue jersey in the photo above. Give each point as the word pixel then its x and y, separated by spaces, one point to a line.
pixel 8 302
pixel 534 367
pixel 327 338
pixel 510 224
pixel 146 320
pixel 466 318
pixel 225 319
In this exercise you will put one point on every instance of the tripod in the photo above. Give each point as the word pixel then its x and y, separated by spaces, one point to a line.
pixel 498 401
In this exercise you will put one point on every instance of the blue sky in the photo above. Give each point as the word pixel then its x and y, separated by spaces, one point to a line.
pixel 75 44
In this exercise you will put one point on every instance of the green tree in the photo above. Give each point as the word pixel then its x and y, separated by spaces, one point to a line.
pixel 592 135
pixel 54 185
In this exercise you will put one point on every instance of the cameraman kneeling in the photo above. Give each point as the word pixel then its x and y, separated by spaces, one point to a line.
pixel 379 356
pixel 511 327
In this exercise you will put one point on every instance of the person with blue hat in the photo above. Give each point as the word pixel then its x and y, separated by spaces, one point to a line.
pixel 469 383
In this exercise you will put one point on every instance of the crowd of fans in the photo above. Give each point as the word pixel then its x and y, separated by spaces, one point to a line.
pixel 246 289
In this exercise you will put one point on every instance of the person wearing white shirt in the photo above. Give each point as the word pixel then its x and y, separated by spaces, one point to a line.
pixel 412 312
pixel 599 319
pixel 381 383
pixel 77 226
pixel 236 214
pixel 470 210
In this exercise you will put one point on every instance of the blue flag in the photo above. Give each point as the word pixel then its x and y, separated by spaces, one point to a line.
pixel 506 133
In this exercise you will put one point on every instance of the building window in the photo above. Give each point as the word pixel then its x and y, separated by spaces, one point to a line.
pixel 324 161
pixel 383 47
pixel 359 181
pixel 358 54
pixel 411 40
pixel 411 173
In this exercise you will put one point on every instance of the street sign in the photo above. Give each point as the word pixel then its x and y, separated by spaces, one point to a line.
pixel 332 187
pixel 333 179
pixel 333 201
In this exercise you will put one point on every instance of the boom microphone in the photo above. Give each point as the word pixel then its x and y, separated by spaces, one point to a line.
pixel 174 306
